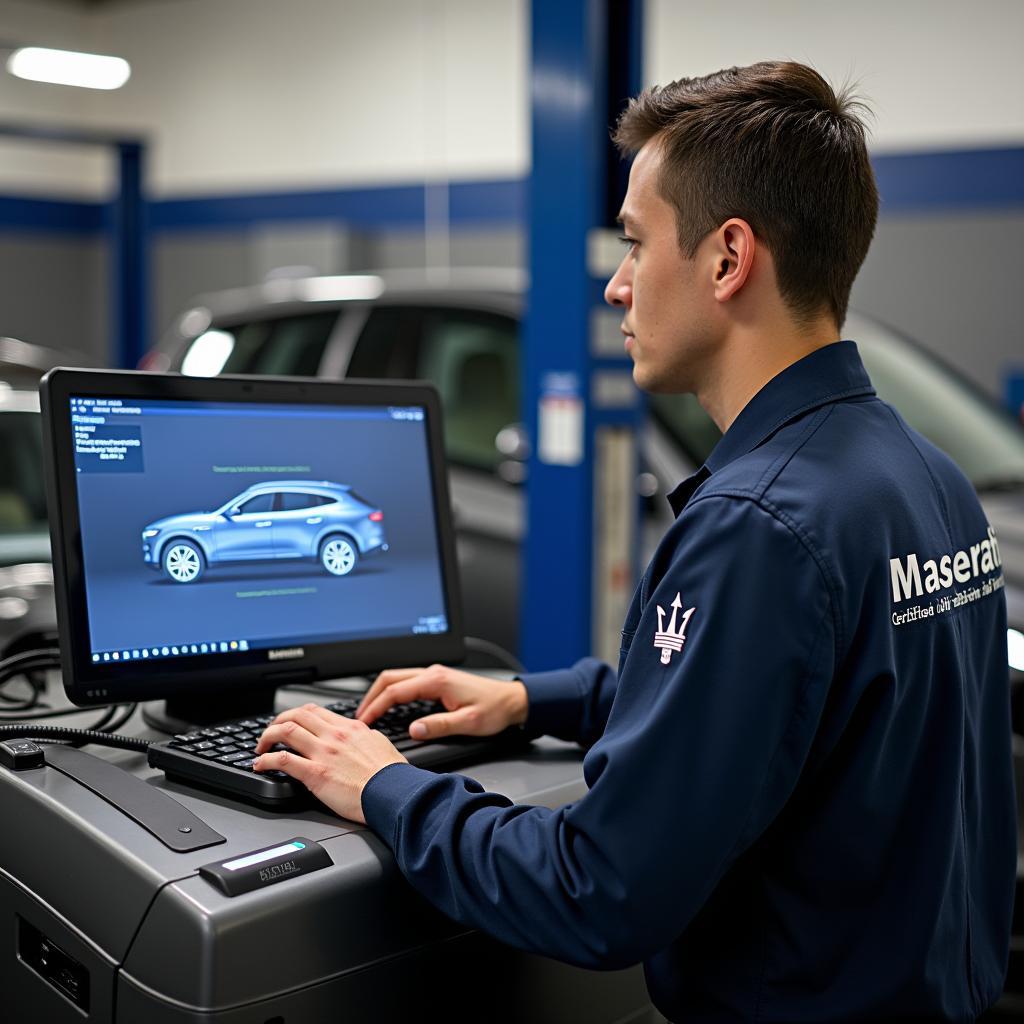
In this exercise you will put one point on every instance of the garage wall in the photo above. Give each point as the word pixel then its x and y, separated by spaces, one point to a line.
pixel 939 74
pixel 251 95
pixel 257 103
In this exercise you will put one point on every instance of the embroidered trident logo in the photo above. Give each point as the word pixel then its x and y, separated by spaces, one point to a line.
pixel 671 639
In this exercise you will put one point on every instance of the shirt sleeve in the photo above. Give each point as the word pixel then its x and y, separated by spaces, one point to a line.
pixel 571 704
pixel 710 726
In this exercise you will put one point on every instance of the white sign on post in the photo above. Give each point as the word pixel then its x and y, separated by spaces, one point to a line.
pixel 560 420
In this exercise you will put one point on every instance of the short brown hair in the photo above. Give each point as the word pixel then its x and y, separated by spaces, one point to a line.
pixel 772 144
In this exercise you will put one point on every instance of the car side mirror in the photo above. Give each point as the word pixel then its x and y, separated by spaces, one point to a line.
pixel 513 444
pixel 232 512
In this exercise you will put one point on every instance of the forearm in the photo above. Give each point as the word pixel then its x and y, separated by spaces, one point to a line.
pixel 522 874
pixel 571 704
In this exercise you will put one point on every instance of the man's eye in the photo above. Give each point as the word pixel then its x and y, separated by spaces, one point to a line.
pixel 628 242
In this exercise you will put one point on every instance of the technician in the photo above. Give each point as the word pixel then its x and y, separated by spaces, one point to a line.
pixel 800 801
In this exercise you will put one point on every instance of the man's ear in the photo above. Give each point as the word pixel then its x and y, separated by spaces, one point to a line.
pixel 733 246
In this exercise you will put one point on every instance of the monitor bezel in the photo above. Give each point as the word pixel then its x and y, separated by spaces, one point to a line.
pixel 87 683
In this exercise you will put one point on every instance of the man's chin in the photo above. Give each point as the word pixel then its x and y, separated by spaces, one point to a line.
pixel 647 380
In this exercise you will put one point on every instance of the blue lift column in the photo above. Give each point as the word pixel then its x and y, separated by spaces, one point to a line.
pixel 129 251
pixel 581 409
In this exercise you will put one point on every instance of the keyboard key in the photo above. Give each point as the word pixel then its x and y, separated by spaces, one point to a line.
pixel 238 755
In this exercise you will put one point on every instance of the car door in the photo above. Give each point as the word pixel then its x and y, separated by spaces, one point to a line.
pixel 472 356
pixel 248 533
pixel 297 523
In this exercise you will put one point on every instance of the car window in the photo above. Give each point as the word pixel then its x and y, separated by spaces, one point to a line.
pixel 471 357
pixel 388 345
pixel 261 503
pixel 293 501
pixel 291 345
pixel 976 433
pixel 22 498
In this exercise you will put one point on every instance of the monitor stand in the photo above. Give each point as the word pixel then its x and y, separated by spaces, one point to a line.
pixel 185 714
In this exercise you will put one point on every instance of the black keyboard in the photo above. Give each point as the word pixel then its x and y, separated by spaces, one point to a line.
pixel 220 757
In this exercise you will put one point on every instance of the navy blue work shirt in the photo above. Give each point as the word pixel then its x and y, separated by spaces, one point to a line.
pixel 800 798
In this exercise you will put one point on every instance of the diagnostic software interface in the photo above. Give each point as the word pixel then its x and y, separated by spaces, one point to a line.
pixel 222 527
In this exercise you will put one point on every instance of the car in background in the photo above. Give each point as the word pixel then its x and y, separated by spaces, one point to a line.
pixel 28 619
pixel 277 519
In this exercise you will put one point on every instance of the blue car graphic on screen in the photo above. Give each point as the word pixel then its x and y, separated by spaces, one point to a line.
pixel 279 519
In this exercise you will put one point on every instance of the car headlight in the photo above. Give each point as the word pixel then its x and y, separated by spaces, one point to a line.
pixel 153 533
pixel 1015 649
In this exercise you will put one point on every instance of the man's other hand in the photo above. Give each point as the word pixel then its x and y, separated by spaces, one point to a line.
pixel 476 705
pixel 332 756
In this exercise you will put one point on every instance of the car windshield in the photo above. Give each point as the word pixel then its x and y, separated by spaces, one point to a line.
pixel 984 441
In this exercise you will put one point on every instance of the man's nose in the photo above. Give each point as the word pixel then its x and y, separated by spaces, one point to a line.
pixel 619 290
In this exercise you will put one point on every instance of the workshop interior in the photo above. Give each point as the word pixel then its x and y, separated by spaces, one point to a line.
pixel 307 372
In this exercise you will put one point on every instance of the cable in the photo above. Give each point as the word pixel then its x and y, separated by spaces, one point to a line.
pixel 129 710
pixel 21 665
pixel 16 722
pixel 14 709
pixel 59 732
pixel 505 658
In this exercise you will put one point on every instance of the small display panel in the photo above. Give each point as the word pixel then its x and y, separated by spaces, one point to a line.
pixel 225 527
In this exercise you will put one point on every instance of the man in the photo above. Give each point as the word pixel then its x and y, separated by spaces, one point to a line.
pixel 800 801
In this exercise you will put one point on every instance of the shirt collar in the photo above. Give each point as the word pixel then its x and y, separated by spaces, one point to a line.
pixel 829 374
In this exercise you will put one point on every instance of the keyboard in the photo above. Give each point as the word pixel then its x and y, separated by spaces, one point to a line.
pixel 221 757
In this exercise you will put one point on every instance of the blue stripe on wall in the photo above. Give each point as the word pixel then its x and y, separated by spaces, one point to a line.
pixel 966 179
pixel 469 202
pixel 56 215
pixel 909 182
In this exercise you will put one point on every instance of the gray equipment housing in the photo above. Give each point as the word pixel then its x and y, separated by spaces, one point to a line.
pixel 103 922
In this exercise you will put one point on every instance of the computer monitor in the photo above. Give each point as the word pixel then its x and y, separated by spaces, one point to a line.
pixel 214 539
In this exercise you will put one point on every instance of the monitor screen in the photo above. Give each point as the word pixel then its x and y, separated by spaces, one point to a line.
pixel 207 526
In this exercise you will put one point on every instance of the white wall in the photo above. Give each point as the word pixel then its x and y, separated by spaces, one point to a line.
pixel 939 74
pixel 45 169
pixel 260 95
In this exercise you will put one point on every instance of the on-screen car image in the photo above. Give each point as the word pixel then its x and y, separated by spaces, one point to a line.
pixel 278 519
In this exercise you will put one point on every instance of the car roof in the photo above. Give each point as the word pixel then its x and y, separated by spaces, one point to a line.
pixel 467 285
pixel 297 485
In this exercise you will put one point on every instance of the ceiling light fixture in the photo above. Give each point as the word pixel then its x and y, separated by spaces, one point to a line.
pixel 66 67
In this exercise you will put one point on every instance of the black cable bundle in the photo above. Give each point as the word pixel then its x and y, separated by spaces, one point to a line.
pixel 21 714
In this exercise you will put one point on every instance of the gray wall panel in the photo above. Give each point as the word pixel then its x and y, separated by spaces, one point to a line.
pixel 183 265
pixel 55 291
pixel 953 282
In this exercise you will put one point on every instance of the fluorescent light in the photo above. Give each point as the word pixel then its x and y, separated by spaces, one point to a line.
pixel 66 67
pixel 208 354
pixel 1015 649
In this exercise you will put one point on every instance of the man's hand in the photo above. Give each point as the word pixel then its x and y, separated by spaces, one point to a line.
pixel 333 756
pixel 477 706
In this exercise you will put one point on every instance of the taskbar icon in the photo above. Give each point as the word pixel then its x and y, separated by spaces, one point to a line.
pixel 170 651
